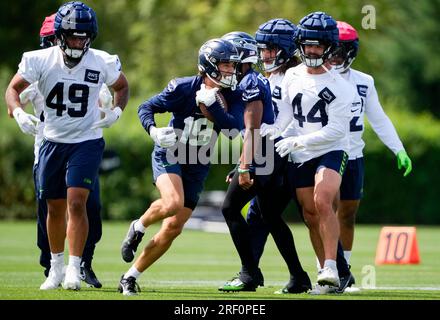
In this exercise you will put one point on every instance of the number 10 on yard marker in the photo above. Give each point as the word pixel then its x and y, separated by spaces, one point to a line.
pixel 397 245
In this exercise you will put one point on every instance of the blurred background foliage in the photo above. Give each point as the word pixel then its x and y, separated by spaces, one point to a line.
pixel 159 40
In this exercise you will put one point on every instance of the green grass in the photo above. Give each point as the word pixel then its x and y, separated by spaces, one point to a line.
pixel 199 262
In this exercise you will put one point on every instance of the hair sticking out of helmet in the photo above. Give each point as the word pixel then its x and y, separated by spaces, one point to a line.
pixel 211 54
pixel 245 44
pixel 348 46
pixel 47 32
pixel 277 34
pixel 317 28
pixel 75 19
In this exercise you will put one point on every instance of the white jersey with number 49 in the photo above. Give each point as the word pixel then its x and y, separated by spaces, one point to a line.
pixel 318 106
pixel 70 95
pixel 367 102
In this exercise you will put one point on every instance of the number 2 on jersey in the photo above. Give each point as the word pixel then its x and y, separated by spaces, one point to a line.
pixel 78 93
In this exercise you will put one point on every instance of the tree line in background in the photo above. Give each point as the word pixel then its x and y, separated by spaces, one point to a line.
pixel 159 40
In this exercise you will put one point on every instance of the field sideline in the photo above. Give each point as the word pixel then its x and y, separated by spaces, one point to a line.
pixel 199 262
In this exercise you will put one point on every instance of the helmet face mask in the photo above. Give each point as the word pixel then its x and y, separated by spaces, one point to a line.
pixel 75 19
pixel 215 56
pixel 277 35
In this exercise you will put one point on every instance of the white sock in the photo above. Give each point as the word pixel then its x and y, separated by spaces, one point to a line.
pixel 138 226
pixel 347 256
pixel 75 261
pixel 132 272
pixel 57 258
pixel 330 264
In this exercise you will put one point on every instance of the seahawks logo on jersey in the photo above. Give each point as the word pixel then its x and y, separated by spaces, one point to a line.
pixel 327 95
pixel 362 90
pixel 276 93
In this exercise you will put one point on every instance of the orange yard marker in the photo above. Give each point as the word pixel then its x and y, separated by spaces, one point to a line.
pixel 397 245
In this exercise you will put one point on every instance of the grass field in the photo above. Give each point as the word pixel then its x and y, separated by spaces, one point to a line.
pixel 199 262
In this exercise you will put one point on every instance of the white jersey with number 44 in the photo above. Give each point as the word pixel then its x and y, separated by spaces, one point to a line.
pixel 318 106
pixel 70 95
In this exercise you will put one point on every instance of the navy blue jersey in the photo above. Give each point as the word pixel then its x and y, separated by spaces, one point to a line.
pixel 254 86
pixel 179 97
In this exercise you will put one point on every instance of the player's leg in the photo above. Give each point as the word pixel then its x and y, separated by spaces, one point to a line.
pixel 82 172
pixel 258 230
pixel 95 232
pixel 42 240
pixel 236 198
pixel 52 189
pixel 168 179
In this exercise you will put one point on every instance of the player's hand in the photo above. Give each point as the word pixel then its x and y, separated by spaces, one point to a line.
pixel 27 122
pixel 110 117
pixel 270 130
pixel 206 96
pixel 164 137
pixel 289 145
pixel 403 161
pixel 245 181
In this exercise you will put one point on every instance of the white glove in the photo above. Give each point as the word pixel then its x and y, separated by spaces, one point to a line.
pixel 26 121
pixel 206 96
pixel 164 137
pixel 289 145
pixel 271 130
pixel 106 99
pixel 110 117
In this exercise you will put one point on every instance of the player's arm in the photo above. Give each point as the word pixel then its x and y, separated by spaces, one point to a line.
pixel 386 131
pixel 121 91
pixel 12 96
pixel 253 114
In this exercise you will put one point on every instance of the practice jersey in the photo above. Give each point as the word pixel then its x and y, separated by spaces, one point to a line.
pixel 70 94
pixel 191 126
pixel 318 106
pixel 367 103
pixel 32 95
pixel 255 87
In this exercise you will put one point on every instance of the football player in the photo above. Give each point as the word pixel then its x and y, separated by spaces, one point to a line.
pixel 179 171
pixel 248 182
pixel 366 104
pixel 70 76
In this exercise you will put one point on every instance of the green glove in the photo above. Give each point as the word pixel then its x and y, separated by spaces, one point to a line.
pixel 403 161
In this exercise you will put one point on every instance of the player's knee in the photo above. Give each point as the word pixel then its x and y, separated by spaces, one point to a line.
pixel 172 230
pixel 76 207
pixel 323 202
pixel 348 218
pixel 170 208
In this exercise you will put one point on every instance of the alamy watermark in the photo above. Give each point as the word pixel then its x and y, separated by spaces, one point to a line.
pixel 369 19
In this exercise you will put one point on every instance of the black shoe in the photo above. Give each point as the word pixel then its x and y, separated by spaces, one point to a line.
pixel 129 286
pixel 297 284
pixel 130 243
pixel 88 276
pixel 346 281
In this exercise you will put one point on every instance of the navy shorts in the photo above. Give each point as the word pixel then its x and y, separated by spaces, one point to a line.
pixel 64 165
pixel 352 186
pixel 193 175
pixel 302 175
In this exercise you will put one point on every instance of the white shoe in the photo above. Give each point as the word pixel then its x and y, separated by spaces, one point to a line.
pixel 319 290
pixel 54 279
pixel 72 280
pixel 328 276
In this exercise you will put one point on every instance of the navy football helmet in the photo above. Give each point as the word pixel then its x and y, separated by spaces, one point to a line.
pixel 245 44
pixel 277 34
pixel 77 19
pixel 212 53
pixel 317 28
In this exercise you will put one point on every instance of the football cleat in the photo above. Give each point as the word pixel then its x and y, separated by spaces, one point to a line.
pixel 128 286
pixel 236 285
pixel 88 276
pixel 54 278
pixel 320 290
pixel 72 280
pixel 328 276
pixel 345 282
pixel 130 243
pixel 298 284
